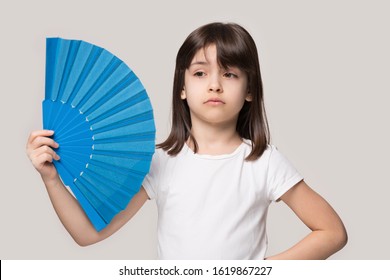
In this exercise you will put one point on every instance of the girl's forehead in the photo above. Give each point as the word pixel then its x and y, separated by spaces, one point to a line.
pixel 206 55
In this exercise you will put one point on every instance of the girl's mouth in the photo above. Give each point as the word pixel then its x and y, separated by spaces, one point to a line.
pixel 214 101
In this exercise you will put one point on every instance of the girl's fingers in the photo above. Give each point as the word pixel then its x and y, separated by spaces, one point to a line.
pixel 40 152
pixel 39 138
pixel 42 141
pixel 43 158
pixel 36 133
pixel 43 154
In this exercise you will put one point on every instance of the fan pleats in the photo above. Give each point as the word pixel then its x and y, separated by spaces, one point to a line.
pixel 103 121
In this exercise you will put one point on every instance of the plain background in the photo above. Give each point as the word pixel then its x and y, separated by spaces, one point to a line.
pixel 325 67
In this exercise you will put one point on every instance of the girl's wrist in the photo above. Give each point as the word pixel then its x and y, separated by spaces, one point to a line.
pixel 52 181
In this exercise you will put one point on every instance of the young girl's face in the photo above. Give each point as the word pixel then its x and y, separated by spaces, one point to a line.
pixel 214 95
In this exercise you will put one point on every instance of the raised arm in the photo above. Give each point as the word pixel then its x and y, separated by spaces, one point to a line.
pixel 40 151
pixel 328 232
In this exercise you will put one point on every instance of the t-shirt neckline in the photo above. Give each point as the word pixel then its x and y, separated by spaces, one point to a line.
pixel 212 157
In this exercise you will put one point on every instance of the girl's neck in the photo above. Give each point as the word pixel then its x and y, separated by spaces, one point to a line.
pixel 214 140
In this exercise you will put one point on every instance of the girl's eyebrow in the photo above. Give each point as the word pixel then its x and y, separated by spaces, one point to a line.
pixel 199 63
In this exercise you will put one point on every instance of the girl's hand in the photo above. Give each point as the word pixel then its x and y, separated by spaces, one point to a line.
pixel 39 149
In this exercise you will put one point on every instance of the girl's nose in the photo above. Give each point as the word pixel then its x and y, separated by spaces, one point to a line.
pixel 215 89
pixel 215 85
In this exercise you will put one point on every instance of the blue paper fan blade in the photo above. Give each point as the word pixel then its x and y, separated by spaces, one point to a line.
pixel 103 121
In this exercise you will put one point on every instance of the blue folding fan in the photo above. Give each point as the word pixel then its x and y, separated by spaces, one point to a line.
pixel 103 122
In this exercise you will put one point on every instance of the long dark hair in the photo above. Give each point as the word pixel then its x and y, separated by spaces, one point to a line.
pixel 235 48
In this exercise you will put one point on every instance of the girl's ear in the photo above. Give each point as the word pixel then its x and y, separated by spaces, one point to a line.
pixel 248 97
pixel 183 94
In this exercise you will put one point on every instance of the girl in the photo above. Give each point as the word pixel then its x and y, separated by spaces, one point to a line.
pixel 215 175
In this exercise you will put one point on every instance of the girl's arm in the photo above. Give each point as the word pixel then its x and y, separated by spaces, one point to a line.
pixel 328 232
pixel 41 154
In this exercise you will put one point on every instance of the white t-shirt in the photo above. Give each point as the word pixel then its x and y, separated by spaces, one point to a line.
pixel 215 207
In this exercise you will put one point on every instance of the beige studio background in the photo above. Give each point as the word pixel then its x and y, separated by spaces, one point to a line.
pixel 325 67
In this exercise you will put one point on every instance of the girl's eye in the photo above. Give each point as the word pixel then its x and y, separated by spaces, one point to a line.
pixel 230 75
pixel 199 74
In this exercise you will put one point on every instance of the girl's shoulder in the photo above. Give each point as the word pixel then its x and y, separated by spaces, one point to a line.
pixel 161 157
pixel 267 152
pixel 271 159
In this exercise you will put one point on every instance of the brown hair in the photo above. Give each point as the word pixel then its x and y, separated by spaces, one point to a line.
pixel 235 48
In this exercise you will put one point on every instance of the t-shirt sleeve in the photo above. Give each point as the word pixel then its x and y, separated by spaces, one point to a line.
pixel 151 179
pixel 281 176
